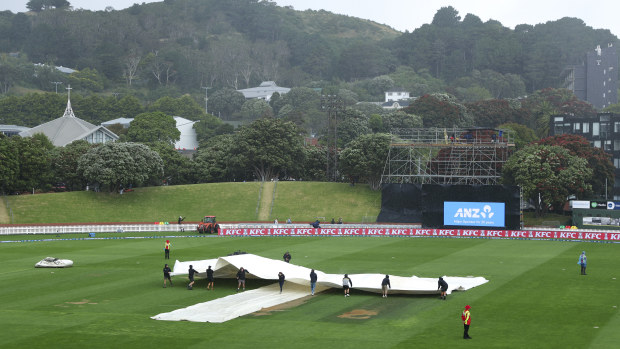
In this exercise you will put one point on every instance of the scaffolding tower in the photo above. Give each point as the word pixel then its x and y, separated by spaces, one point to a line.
pixel 472 156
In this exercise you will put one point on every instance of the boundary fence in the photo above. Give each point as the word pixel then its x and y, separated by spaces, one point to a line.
pixel 296 229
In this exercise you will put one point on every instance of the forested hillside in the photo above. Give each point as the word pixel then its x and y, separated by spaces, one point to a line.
pixel 181 45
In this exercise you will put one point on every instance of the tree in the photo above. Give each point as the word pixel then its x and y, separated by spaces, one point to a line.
pixel 365 59
pixel 9 163
pixel 9 72
pixel 209 126
pixel 217 161
pixel 64 164
pixel 128 107
pixel 226 102
pixel 117 165
pixel 272 148
pixel 178 169
pixel 34 163
pixel 521 134
pixel 549 101
pixel 87 79
pixel 131 64
pixel 440 110
pixel 446 17
pixel 153 127
pixel 548 175
pixel 400 119
pixel 375 122
pixel 185 107
pixel 598 160
pixel 368 109
pixel 314 165
pixel 350 129
pixel 365 157
pixel 492 112
pixel 614 108
pixel 255 108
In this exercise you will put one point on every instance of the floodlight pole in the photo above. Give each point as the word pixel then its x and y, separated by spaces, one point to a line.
pixel 332 105
pixel 56 83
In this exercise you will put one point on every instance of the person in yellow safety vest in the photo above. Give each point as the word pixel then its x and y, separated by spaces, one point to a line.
pixel 167 250
pixel 466 317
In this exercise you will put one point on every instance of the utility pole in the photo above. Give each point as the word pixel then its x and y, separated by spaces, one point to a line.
pixel 56 83
pixel 206 99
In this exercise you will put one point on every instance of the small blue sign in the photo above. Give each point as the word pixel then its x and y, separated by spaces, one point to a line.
pixel 474 214
pixel 613 205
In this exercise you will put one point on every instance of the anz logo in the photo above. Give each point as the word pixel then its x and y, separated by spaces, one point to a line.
pixel 486 212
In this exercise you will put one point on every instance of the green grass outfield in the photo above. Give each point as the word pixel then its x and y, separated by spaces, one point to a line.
pixel 535 298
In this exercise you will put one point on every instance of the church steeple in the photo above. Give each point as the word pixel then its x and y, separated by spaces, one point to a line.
pixel 69 110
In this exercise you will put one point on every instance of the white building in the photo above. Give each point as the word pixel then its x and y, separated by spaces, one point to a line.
pixel 264 90
pixel 396 95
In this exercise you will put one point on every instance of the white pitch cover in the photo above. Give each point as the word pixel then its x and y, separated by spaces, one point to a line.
pixel 297 286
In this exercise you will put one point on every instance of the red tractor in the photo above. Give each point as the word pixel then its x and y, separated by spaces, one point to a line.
pixel 208 225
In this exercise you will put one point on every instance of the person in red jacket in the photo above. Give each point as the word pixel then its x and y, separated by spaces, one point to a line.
pixel 466 317
pixel 167 250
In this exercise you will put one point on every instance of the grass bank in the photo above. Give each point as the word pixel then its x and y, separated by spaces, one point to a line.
pixel 302 201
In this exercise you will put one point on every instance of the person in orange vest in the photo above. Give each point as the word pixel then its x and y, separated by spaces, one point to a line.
pixel 167 250
pixel 466 317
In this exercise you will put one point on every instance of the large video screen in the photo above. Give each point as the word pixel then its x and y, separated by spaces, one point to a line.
pixel 474 214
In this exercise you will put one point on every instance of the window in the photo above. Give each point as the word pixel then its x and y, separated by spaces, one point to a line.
pixel 597 144
pixel 617 164
pixel 586 127
pixel 616 126
pixel 617 144
pixel 605 129
pixel 608 145
pixel 595 129
pixel 576 127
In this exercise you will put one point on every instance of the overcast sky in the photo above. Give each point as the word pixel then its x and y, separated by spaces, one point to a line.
pixel 411 14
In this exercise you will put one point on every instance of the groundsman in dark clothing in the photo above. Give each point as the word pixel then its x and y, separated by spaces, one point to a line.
pixel 167 271
pixel 385 284
pixel 442 285
pixel 241 278
pixel 313 279
pixel 191 272
pixel 281 280
pixel 209 278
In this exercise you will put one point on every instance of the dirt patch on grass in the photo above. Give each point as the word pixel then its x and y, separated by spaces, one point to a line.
pixel 83 301
pixel 359 314
pixel 265 201
pixel 280 307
